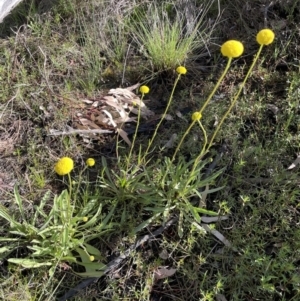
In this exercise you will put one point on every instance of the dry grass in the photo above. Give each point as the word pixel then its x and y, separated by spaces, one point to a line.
pixel 58 59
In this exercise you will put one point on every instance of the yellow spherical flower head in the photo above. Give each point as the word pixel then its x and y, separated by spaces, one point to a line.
pixel 90 162
pixel 265 37
pixel 85 219
pixel 144 89
pixel 196 116
pixel 181 70
pixel 64 166
pixel 232 49
pixel 92 258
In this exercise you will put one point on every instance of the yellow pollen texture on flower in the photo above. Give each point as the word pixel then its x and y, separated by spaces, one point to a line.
pixel 144 89
pixel 196 116
pixel 265 37
pixel 90 162
pixel 181 70
pixel 232 49
pixel 64 166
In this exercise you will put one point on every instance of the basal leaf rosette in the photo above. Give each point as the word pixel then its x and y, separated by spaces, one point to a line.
pixel 232 49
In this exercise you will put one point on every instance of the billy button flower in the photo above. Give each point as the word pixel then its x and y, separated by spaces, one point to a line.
pixel 92 258
pixel 232 49
pixel 90 162
pixel 196 116
pixel 181 70
pixel 64 166
pixel 144 89
pixel 265 37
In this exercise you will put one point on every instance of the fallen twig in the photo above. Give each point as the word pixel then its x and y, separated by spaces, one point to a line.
pixel 72 132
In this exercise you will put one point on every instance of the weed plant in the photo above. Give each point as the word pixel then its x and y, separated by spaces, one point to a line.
pixel 140 191
pixel 169 37
pixel 158 190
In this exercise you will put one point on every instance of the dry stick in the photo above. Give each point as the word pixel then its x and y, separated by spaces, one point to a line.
pixel 72 131
pixel 117 261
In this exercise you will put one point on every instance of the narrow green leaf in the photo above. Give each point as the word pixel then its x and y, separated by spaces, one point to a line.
pixel 107 218
pixel 146 223
pixel 106 170
pixel 194 212
pixel 19 233
pixel 29 263
pixel 4 214
pixel 88 207
pixel 51 229
pixel 180 227
pixel 10 239
pixel 19 202
pixel 39 209
pixel 91 274
pixel 93 266
pixel 94 219
pixel 5 249
pixel 92 250
pixel 204 211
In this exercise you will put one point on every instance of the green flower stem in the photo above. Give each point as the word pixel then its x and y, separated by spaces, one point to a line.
pixel 205 140
pixel 235 98
pixel 182 139
pixel 162 118
pixel 204 106
pixel 70 196
pixel 135 133
pixel 70 185
pixel 203 150
pixel 216 86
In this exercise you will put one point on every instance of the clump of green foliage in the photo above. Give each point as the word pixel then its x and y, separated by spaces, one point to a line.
pixel 143 189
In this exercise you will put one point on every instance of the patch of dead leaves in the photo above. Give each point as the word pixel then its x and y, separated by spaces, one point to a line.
pixel 112 111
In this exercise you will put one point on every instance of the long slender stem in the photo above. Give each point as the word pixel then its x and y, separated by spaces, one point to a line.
pixel 216 86
pixel 203 150
pixel 235 98
pixel 204 106
pixel 162 118
pixel 182 139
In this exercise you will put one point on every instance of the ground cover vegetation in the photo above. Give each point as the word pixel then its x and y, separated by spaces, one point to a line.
pixel 150 148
